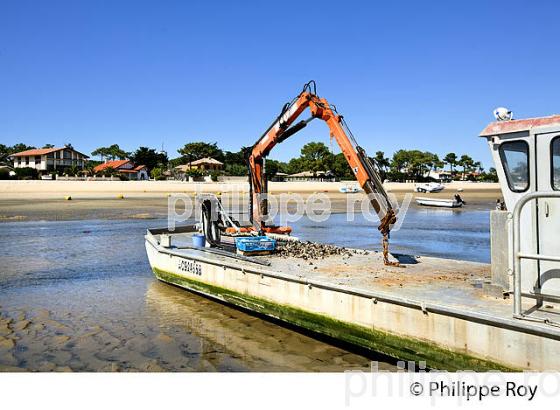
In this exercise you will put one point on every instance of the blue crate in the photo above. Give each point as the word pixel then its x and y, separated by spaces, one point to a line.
pixel 255 243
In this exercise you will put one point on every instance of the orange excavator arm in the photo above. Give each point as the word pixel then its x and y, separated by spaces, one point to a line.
pixel 364 170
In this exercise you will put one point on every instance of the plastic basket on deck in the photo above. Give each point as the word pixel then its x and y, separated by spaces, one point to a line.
pixel 255 244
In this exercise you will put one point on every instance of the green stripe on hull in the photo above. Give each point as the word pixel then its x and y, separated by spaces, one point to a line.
pixel 401 348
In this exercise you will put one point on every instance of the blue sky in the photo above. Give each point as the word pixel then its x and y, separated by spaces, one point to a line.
pixel 423 75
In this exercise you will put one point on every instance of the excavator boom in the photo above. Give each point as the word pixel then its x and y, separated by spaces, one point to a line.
pixel 364 169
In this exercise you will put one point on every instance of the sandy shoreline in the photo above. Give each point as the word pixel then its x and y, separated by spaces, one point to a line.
pixel 45 200
pixel 100 189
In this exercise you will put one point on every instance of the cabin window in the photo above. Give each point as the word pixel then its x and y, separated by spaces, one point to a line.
pixel 555 155
pixel 515 160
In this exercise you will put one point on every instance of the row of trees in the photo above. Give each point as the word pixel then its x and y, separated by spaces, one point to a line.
pixel 415 164
pixel 314 157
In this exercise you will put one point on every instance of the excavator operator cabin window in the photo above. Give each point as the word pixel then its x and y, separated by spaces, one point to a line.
pixel 515 160
pixel 555 154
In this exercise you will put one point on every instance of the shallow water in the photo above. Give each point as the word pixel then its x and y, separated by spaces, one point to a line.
pixel 80 295
pixel 444 233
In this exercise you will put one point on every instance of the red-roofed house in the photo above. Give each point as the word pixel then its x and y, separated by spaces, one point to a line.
pixel 124 167
pixel 46 160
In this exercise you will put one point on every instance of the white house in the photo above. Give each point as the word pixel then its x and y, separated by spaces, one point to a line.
pixel 440 175
pixel 46 160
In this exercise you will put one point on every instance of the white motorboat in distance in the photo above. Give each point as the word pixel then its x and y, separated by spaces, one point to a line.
pixel 429 187
pixel 442 203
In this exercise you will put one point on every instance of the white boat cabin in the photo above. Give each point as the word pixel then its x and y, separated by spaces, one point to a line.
pixel 526 154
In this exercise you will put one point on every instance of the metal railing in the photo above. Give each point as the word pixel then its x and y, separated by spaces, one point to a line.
pixel 517 255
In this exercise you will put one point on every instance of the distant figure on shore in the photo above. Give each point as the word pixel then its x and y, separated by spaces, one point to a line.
pixel 459 199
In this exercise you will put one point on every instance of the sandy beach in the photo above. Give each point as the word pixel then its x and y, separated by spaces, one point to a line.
pixel 99 189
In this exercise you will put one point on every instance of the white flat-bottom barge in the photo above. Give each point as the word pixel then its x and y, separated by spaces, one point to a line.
pixel 434 310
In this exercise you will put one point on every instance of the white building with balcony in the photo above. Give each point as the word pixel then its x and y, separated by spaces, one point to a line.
pixel 47 160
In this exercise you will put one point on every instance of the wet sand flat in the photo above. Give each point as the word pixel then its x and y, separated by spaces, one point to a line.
pixel 151 206
pixel 167 329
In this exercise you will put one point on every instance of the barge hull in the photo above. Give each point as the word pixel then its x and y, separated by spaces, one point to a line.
pixel 377 341
pixel 395 327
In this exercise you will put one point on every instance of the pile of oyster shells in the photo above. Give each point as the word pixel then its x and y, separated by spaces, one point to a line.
pixel 311 250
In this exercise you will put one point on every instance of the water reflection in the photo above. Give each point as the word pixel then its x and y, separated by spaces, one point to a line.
pixel 224 332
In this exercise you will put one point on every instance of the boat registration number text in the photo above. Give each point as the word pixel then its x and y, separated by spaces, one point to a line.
pixel 190 267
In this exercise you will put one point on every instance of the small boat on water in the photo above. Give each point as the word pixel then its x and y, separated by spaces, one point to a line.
pixel 429 187
pixel 349 189
pixel 442 203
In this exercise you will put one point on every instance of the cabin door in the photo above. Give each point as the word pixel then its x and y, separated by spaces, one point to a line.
pixel 548 211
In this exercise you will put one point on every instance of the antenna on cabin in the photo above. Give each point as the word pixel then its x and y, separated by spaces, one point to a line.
pixel 503 114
